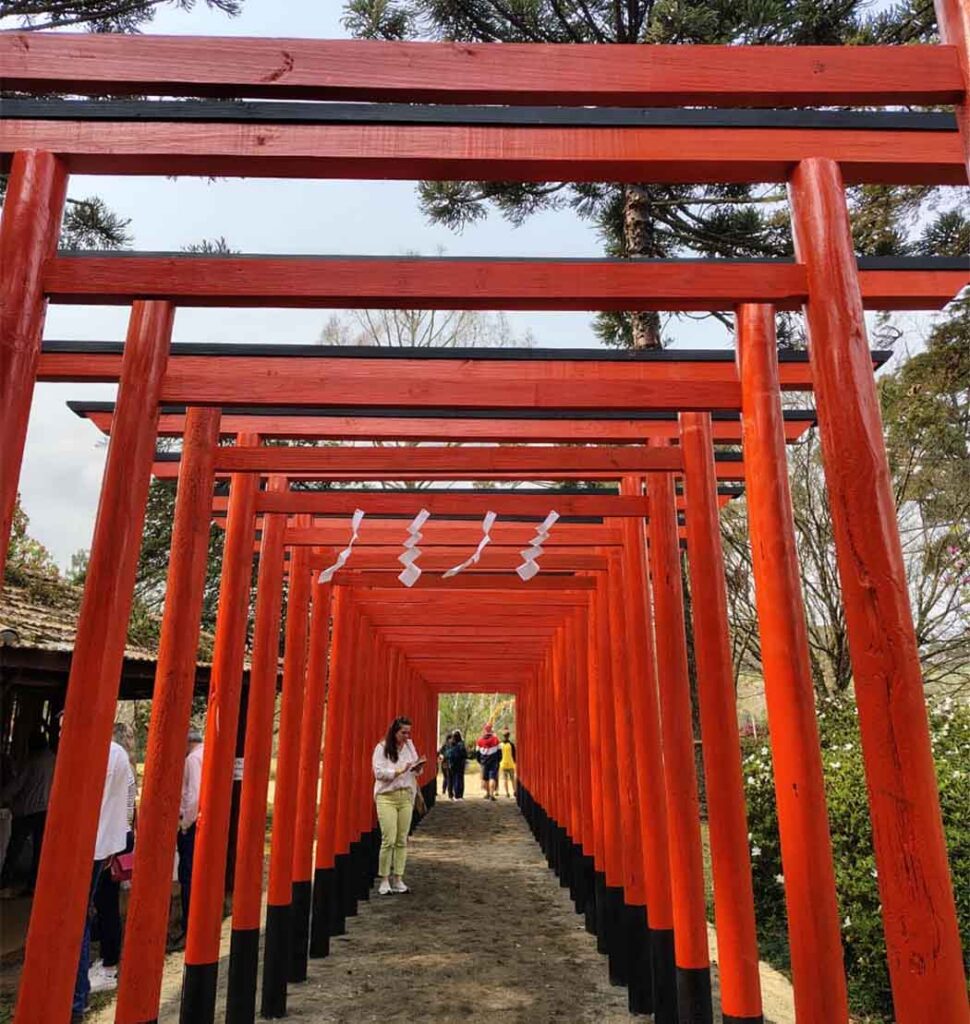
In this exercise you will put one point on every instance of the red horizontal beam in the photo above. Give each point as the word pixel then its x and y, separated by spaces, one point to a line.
pixel 723 471
pixel 271 381
pixel 352 428
pixel 480 581
pixel 461 152
pixel 377 601
pixel 429 283
pixel 585 75
pixel 512 384
pixel 426 283
pixel 335 533
pixel 493 558
pixel 450 503
pixel 459 463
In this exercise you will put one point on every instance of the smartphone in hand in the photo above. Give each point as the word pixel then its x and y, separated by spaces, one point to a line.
pixel 419 764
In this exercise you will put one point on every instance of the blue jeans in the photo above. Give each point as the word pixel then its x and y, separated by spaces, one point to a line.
pixel 186 848
pixel 82 987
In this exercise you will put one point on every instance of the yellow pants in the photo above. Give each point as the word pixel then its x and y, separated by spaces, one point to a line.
pixel 394 812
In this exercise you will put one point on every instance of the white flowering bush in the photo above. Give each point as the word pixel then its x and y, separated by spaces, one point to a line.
pixel 851 829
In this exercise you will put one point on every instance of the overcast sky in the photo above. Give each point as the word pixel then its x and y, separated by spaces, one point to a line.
pixel 64 461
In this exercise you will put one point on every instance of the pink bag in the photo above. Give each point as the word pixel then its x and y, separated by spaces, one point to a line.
pixel 120 866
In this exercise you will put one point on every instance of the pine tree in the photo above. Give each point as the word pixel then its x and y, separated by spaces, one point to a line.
pixel 89 223
pixel 664 221
pixel 97 15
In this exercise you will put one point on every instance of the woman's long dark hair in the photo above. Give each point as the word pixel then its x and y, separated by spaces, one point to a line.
pixel 390 740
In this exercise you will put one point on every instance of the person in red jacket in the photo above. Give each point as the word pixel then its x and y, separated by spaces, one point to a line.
pixel 490 754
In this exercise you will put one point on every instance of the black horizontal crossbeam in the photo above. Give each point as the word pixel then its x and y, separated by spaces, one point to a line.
pixel 269 112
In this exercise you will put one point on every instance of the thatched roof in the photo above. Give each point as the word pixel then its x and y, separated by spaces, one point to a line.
pixel 43 612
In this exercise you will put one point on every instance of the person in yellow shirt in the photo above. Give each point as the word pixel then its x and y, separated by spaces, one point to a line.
pixel 507 764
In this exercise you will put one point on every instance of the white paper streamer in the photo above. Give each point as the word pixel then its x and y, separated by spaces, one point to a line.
pixel 412 573
pixel 327 575
pixel 487 523
pixel 530 566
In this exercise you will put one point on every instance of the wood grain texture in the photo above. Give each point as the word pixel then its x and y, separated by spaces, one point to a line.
pixel 458 461
pixel 439 283
pixel 270 381
pixel 336 282
pixel 29 230
pixel 446 502
pixel 448 153
pixel 352 428
pixel 146 924
pixel 64 881
pixel 331 69
pixel 806 849
pixel 920 922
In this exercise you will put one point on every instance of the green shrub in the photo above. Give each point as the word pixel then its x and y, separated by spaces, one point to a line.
pixel 851 829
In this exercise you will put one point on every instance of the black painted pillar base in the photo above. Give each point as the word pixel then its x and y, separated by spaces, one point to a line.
pixel 664 976
pixel 589 892
pixel 730 1018
pixel 198 993
pixel 577 879
pixel 696 1005
pixel 335 896
pixel 320 915
pixel 618 950
pixel 363 878
pixel 640 994
pixel 243 971
pixel 300 929
pixel 565 859
pixel 348 887
pixel 375 854
pixel 276 962
pixel 602 926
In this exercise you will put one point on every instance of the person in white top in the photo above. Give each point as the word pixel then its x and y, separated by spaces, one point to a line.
pixel 111 839
pixel 103 974
pixel 188 816
pixel 396 767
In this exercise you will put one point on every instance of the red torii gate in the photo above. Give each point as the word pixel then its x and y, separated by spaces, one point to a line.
pixel 920 925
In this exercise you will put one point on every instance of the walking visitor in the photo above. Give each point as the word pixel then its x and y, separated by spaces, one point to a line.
pixel 507 764
pixel 112 834
pixel 457 759
pixel 396 767
pixel 490 753
pixel 188 816
pixel 445 763
pixel 103 973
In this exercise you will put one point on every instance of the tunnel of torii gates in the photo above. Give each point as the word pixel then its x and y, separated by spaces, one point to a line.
pixel 593 645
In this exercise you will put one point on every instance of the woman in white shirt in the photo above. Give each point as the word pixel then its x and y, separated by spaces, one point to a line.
pixel 396 769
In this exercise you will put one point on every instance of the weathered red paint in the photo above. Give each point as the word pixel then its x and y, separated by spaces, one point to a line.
pixel 730 858
pixel 919 916
pixel 146 924
pixel 57 918
pixel 806 850
pixel 29 228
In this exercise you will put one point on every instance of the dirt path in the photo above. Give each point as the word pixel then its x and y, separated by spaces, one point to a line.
pixel 486 929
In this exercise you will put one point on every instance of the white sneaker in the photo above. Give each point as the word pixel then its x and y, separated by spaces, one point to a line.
pixel 384 888
pixel 398 886
pixel 103 979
